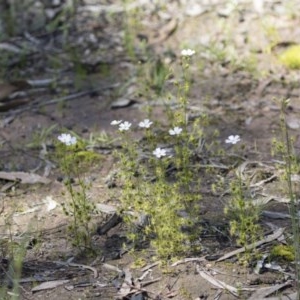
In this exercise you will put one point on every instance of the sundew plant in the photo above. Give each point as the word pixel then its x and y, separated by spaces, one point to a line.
pixel 74 159
pixel 160 188
pixel 157 206
pixel 160 178
pixel 158 181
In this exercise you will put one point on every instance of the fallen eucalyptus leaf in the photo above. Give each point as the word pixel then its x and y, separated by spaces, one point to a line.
pixel 49 285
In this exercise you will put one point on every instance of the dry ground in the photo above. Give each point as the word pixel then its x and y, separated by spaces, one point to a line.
pixel 235 81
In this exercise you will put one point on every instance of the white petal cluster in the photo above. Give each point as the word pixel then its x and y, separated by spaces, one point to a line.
pixel 158 152
pixel 145 124
pixel 175 131
pixel 125 126
pixel 67 139
pixel 188 52
pixel 233 139
pixel 116 122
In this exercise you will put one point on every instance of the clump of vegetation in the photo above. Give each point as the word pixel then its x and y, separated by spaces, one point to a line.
pixel 74 161
pixel 244 217
pixel 291 57
pixel 160 181
pixel 283 252
pixel 285 149
pixel 157 179
pixel 160 199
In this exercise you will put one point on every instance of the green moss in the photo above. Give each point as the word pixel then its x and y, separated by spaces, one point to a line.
pixel 291 57
pixel 283 252
pixel 89 156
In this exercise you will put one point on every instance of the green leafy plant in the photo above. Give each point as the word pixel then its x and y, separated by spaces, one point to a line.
pixel 151 194
pixel 244 217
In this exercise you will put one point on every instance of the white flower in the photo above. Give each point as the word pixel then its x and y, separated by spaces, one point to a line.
pixel 187 52
pixel 145 124
pixel 115 122
pixel 158 152
pixel 175 131
pixel 124 126
pixel 233 139
pixel 67 139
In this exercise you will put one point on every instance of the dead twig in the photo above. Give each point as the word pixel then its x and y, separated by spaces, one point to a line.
pixel 187 260
pixel 145 283
pixel 71 264
pixel 267 239
pixel 266 291
pixel 222 285
pixel 150 267
pixel 112 268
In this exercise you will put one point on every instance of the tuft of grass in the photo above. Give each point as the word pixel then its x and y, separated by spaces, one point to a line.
pixel 41 136
pixel 12 253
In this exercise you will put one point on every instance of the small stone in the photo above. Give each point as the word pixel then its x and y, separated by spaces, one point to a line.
pixel 122 102
pixel 195 10
pixel 293 122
